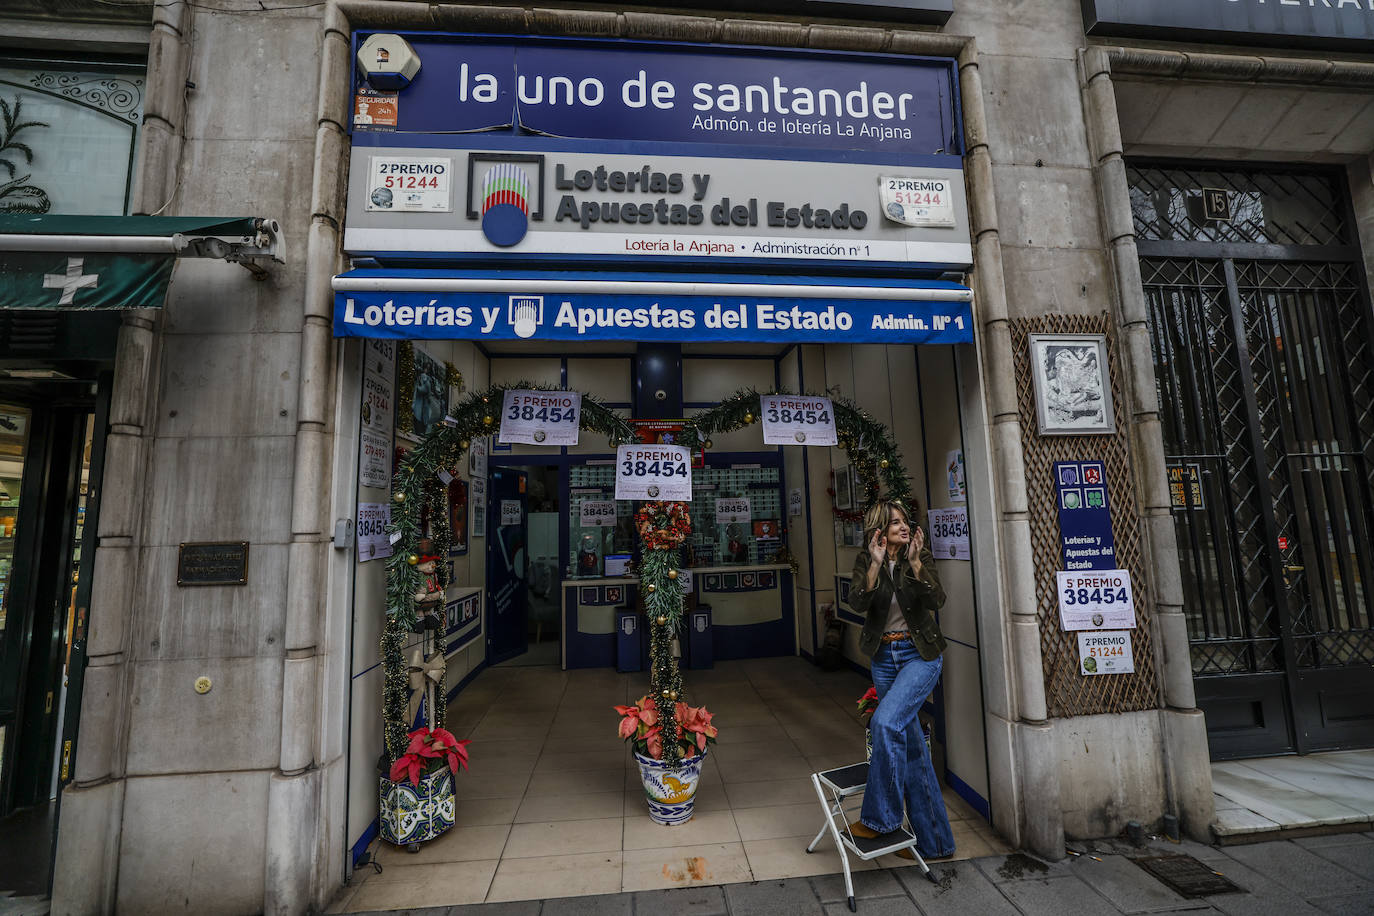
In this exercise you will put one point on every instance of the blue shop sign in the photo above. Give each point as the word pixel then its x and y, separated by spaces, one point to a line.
pixel 454 305
pixel 1085 517
pixel 627 91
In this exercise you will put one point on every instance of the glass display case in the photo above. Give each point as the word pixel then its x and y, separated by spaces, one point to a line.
pixel 598 525
pixel 736 538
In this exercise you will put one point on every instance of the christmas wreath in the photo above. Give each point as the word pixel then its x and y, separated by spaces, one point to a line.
pixel 663 525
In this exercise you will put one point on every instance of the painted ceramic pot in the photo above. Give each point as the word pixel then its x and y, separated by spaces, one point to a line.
pixel 414 814
pixel 670 790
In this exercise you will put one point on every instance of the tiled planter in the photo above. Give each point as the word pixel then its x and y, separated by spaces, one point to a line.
pixel 671 791
pixel 414 814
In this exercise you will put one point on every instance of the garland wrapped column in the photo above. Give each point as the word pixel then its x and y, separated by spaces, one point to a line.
pixel 414 486
pixel 663 527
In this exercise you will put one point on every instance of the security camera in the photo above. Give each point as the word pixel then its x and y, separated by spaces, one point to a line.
pixel 388 62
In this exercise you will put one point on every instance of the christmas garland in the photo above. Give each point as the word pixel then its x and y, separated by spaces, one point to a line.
pixel 663 526
pixel 868 443
pixel 414 486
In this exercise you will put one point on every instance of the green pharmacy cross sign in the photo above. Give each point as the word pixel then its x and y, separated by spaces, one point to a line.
pixel 37 280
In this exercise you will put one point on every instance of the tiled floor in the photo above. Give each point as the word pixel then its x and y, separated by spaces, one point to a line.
pixel 1261 797
pixel 552 807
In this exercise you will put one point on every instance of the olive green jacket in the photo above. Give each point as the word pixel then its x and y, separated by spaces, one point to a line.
pixel 918 598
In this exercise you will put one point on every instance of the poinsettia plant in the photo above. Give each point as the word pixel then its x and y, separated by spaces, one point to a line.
pixel 430 749
pixel 640 725
pixel 868 703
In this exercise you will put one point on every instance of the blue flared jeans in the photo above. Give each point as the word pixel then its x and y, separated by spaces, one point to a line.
pixel 901 775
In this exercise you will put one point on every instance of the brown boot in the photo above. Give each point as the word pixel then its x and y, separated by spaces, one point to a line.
pixel 858 829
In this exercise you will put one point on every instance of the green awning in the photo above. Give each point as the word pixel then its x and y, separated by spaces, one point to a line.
pixel 117 262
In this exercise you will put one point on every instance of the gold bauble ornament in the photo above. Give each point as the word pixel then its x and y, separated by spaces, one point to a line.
pixel 672 574
pixel 748 418
pixel 672 694
pixel 667 695
pixel 399 496
pixel 487 421
pixel 662 620
pixel 650 588
pixel 413 559
pixel 708 444
pixel 883 464
pixel 464 445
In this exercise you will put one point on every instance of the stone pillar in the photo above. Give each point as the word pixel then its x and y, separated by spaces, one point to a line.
pixel 91 826
pixel 1188 766
pixel 1033 754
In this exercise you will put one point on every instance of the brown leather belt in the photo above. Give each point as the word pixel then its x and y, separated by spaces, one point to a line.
pixel 897 636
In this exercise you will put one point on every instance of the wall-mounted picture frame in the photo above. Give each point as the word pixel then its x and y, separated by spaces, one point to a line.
pixel 844 487
pixel 1073 391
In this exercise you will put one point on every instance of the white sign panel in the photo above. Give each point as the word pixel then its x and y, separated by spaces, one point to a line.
pixel 378 404
pixel 684 581
pixel 793 420
pixel 917 200
pixel 949 533
pixel 373 543
pixel 477 459
pixel 1098 599
pixel 1105 653
pixel 510 512
pixel 662 472
pixel 597 513
pixel 374 460
pixel 541 417
pixel 795 502
pixel 380 358
pixel 736 509
pixel 409 184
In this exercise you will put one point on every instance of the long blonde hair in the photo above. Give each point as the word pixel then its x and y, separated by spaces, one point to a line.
pixel 879 516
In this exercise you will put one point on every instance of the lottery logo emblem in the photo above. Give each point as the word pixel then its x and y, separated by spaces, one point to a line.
pixel 538 435
pixel 505 204
pixel 653 492
pixel 1097 620
pixel 801 436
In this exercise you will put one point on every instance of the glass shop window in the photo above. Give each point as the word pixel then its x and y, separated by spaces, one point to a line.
pixel 68 136
pixel 726 532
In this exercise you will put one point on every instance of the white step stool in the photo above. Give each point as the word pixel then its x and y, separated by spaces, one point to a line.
pixel 842 783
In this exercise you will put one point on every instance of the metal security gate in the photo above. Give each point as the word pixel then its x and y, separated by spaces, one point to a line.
pixel 1265 371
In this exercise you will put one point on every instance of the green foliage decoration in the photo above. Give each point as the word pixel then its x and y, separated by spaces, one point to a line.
pixel 868 443
pixel 416 485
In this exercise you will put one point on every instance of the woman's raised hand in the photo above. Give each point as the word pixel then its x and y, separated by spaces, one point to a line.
pixel 913 548
pixel 877 547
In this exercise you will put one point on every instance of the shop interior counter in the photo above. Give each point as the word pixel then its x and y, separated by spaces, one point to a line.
pixel 752 613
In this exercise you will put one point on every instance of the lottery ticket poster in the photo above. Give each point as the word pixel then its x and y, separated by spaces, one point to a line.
pixel 1105 653
pixel 661 472
pixel 949 533
pixel 954 472
pixel 797 420
pixel 541 417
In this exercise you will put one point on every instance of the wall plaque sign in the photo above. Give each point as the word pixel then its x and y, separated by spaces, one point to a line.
pixel 214 563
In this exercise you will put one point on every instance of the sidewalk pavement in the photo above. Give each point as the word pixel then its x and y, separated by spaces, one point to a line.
pixel 1330 875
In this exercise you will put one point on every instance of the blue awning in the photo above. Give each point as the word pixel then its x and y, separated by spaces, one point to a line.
pixel 587 305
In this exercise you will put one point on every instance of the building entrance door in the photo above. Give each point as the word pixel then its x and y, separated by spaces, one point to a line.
pixel 1266 378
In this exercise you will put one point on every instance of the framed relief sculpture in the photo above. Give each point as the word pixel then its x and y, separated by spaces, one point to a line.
pixel 1073 392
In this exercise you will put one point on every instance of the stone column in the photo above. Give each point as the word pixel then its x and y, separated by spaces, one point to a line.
pixel 1187 760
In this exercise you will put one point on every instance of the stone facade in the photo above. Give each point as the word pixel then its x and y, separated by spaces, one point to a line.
pixel 227 402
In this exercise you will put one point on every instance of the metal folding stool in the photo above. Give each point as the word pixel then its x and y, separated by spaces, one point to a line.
pixel 842 783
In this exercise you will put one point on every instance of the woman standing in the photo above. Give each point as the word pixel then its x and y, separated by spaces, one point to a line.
pixel 897 589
